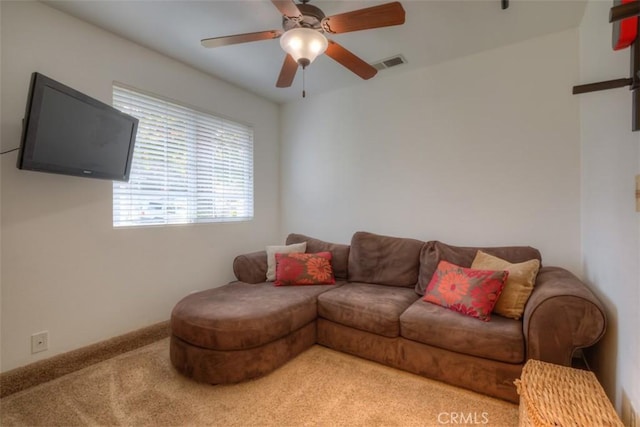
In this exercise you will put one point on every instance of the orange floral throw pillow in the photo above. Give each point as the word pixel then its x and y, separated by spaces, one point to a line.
pixel 465 290
pixel 304 269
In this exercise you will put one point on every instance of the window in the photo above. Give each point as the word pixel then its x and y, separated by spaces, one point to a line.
pixel 188 166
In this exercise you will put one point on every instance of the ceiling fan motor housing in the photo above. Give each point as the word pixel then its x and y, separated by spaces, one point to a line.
pixel 311 18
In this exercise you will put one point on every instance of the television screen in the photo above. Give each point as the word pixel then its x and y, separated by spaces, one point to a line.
pixel 68 132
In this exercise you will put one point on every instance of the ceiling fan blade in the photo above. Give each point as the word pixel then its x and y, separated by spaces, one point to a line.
pixel 350 61
pixel 288 72
pixel 287 7
pixel 384 15
pixel 609 84
pixel 241 38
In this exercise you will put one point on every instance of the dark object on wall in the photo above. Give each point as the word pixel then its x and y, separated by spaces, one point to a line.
pixel 67 132
pixel 620 12
pixel 624 11
pixel 624 30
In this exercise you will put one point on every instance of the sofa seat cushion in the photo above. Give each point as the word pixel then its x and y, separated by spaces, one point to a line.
pixel 499 339
pixel 365 306
pixel 240 316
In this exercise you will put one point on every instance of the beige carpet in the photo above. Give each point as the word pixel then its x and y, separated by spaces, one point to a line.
pixel 319 387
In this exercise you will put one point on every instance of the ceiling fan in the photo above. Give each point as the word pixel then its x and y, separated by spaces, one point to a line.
pixel 303 35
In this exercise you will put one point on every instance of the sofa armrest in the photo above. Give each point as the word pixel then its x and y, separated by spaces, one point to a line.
pixel 561 316
pixel 251 268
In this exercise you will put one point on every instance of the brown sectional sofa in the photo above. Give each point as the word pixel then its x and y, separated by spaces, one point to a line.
pixel 248 328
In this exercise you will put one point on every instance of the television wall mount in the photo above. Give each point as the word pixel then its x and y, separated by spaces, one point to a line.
pixel 619 13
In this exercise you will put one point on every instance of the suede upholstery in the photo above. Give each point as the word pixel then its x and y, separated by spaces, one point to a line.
pixel 224 367
pixel 241 316
pixel 373 308
pixel 561 316
pixel 474 373
pixel 251 268
pixel 500 339
pixel 340 253
pixel 384 260
pixel 433 252
pixel 248 328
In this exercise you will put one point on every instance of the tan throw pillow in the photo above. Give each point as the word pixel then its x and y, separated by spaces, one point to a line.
pixel 271 256
pixel 519 285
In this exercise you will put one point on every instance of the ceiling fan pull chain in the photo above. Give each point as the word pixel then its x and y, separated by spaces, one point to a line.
pixel 304 93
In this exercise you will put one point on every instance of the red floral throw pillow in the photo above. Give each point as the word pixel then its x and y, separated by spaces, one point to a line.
pixel 465 290
pixel 304 269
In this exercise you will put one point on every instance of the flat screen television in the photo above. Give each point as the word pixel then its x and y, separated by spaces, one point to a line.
pixel 67 132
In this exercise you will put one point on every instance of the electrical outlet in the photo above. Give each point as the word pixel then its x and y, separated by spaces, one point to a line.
pixel 39 342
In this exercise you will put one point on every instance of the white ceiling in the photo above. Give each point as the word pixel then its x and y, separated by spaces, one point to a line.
pixel 434 31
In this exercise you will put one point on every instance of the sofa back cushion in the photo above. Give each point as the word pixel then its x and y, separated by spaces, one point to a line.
pixel 433 252
pixel 339 252
pixel 384 260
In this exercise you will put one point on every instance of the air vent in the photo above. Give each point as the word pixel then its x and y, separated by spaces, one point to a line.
pixel 389 62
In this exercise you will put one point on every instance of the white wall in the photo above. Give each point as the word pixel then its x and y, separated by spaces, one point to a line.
pixel 610 230
pixel 483 150
pixel 64 268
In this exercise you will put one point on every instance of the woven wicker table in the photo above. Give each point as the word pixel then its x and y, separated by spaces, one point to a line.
pixel 554 395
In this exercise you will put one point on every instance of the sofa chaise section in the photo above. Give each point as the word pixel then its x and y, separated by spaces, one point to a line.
pixel 249 327
pixel 241 331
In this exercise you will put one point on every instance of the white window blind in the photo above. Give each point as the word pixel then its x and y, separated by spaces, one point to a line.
pixel 188 166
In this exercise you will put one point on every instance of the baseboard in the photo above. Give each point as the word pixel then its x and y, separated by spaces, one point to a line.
pixel 45 370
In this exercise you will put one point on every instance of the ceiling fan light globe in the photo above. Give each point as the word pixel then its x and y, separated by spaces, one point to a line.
pixel 295 43
pixel 304 44
pixel 316 47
